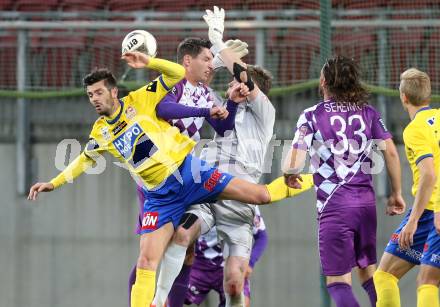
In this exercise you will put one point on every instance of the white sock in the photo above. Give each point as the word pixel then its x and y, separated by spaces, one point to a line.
pixel 234 301
pixel 169 269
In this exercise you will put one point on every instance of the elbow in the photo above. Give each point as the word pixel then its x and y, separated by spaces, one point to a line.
pixel 161 113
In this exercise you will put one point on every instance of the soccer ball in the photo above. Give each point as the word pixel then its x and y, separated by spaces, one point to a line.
pixel 140 40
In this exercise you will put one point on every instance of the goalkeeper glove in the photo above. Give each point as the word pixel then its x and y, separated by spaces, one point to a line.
pixel 216 24
pixel 236 46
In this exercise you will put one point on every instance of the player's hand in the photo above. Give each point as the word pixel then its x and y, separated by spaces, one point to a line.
pixel 136 59
pixel 239 92
pixel 407 234
pixel 236 47
pixel 216 24
pixel 39 187
pixel 293 180
pixel 217 112
pixel 395 205
pixel 248 272
pixel 437 222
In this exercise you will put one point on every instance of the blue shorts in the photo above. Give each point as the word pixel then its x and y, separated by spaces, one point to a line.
pixel 426 242
pixel 194 182
pixel 431 253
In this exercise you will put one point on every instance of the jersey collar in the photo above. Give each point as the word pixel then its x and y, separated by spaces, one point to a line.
pixel 111 121
pixel 422 109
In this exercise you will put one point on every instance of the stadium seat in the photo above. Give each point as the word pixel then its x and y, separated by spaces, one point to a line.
pixel 227 5
pixel 5 5
pixel 419 4
pixel 266 5
pixel 404 47
pixel 362 4
pixel 62 51
pixel 35 5
pixel 307 5
pixel 132 5
pixel 295 51
pixel 8 60
pixel 82 5
pixel 354 44
pixel 176 6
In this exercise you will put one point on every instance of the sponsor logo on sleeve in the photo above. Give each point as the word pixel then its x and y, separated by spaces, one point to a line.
pixel 150 220
pixel 383 125
pixel 213 180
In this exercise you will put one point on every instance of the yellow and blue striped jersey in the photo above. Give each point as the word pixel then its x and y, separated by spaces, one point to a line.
pixel 151 148
pixel 421 138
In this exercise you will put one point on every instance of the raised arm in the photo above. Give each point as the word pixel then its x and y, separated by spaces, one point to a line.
pixel 171 72
pixel 231 60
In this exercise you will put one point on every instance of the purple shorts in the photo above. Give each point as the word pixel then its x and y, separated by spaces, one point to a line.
pixel 201 282
pixel 347 239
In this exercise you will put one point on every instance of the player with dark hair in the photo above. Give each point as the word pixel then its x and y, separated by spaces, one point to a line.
pixel 241 153
pixel 189 103
pixel 340 133
pixel 159 155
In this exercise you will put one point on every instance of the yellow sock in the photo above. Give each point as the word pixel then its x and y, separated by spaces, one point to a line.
pixel 278 190
pixel 387 289
pixel 427 296
pixel 142 292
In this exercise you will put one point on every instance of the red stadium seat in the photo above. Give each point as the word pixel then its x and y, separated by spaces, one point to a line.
pixel 132 5
pixel 295 50
pixel 62 51
pixel 35 5
pixel 5 5
pixel 354 44
pixel 359 4
pixel 266 5
pixel 404 48
pixel 227 5
pixel 176 6
pixel 419 4
pixel 8 61
pixel 82 5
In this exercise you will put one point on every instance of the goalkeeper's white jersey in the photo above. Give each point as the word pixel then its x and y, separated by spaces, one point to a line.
pixel 247 143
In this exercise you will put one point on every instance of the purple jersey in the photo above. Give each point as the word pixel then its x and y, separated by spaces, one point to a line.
pixel 192 96
pixel 340 138
pixel 208 252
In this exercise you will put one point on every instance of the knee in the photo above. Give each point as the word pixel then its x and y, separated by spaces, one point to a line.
pixel 233 287
pixel 182 237
pixel 234 280
pixel 146 261
pixel 424 278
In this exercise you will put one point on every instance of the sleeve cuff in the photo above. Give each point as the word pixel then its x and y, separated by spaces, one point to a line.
pixel 423 157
